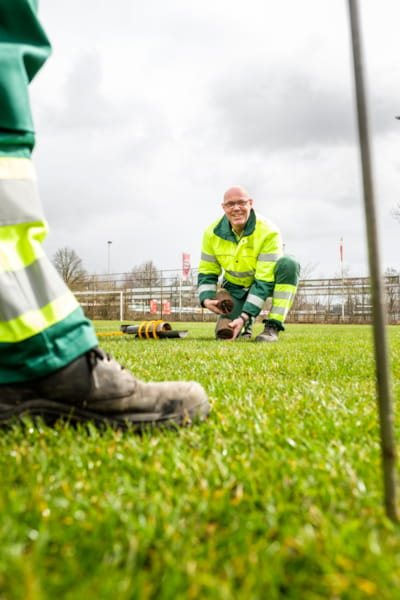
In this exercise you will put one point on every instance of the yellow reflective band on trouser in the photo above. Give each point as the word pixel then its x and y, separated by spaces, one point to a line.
pixel 282 300
pixel 21 245
pixel 16 168
pixel 22 224
pixel 33 297
pixel 36 321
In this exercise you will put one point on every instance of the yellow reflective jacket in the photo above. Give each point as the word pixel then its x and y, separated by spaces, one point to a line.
pixel 247 263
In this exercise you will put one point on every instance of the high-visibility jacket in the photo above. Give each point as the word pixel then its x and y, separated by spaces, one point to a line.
pixel 42 326
pixel 247 263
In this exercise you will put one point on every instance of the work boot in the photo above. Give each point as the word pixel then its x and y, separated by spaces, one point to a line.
pixel 246 335
pixel 270 333
pixel 96 388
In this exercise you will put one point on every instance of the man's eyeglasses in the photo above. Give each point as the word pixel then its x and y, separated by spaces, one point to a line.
pixel 230 204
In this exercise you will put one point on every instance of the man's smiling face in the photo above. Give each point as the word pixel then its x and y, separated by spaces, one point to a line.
pixel 237 205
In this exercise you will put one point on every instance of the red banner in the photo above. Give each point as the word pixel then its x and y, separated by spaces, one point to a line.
pixel 153 307
pixel 167 307
pixel 185 266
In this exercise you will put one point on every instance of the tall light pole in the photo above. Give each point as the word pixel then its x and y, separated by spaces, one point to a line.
pixel 108 256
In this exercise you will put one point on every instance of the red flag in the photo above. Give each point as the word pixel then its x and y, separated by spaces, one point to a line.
pixel 341 249
pixel 153 307
pixel 185 265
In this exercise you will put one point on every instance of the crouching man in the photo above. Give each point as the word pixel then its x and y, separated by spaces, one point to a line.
pixel 246 249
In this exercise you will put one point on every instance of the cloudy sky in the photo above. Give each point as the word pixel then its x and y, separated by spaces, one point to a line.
pixel 147 112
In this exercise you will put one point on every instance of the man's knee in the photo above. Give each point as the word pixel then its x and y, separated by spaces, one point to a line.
pixel 287 269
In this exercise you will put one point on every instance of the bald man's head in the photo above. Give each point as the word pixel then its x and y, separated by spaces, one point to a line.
pixel 237 191
pixel 237 205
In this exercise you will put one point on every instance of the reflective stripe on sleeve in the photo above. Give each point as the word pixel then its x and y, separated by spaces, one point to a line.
pixel 207 288
pixel 268 257
pixel 208 257
pixel 256 300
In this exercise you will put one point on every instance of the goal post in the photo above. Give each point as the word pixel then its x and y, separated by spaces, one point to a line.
pixel 94 301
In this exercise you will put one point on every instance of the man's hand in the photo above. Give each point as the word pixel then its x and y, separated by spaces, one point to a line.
pixel 213 306
pixel 236 325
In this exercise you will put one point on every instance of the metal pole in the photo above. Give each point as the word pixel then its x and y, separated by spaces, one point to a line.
pixel 378 308
pixel 342 273
pixel 108 256
pixel 180 298
pixel 161 297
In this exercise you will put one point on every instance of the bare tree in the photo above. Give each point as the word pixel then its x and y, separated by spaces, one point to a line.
pixel 145 275
pixel 392 293
pixel 300 299
pixel 70 267
pixel 307 270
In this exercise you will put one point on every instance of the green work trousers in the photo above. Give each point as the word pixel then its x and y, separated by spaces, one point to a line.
pixel 42 326
pixel 286 278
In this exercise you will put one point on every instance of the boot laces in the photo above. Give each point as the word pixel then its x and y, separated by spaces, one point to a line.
pixel 94 356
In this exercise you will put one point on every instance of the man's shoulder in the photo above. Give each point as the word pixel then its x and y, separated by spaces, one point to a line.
pixel 210 230
pixel 266 224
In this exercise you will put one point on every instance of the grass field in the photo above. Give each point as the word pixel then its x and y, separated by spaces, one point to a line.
pixel 277 495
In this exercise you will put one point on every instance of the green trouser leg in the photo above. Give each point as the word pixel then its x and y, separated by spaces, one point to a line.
pixel 42 326
pixel 287 274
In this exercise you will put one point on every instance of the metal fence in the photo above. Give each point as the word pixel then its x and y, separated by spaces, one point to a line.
pixel 164 295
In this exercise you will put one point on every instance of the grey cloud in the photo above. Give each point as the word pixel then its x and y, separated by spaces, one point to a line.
pixel 85 109
pixel 266 110
pixel 92 152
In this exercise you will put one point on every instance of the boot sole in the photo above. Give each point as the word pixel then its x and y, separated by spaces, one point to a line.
pixel 51 412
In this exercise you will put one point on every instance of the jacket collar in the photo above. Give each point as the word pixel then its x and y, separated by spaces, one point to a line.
pixel 223 228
